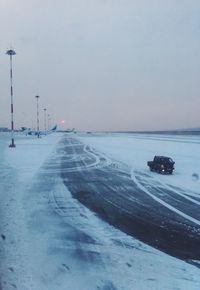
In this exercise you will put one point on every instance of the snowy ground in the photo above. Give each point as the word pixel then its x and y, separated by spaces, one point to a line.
pixel 136 149
pixel 50 241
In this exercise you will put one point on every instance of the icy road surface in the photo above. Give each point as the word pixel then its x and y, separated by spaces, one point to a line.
pixel 82 212
pixel 135 202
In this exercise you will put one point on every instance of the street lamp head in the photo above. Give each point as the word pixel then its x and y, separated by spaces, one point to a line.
pixel 10 52
pixel 37 97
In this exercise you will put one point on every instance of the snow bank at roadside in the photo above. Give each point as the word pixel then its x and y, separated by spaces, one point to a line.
pixel 18 167
pixel 30 153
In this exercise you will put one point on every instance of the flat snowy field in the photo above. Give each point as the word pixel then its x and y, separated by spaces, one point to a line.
pixel 50 241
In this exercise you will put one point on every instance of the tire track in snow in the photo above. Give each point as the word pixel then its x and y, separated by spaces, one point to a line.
pixel 159 200
pixel 118 199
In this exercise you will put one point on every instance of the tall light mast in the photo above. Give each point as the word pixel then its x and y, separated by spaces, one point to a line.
pixel 45 119
pixel 49 121
pixel 11 52
pixel 38 122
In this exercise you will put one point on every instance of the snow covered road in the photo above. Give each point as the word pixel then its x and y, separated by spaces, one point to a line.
pixel 140 206
pixel 51 241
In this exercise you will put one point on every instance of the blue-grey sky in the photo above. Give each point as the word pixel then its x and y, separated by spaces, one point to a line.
pixel 102 64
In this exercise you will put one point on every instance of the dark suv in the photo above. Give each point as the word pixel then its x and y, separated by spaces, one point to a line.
pixel 161 164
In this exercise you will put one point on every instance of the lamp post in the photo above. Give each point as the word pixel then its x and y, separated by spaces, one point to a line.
pixel 38 125
pixel 49 121
pixel 11 52
pixel 45 119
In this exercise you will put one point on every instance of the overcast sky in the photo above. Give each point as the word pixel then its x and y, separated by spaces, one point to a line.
pixel 102 64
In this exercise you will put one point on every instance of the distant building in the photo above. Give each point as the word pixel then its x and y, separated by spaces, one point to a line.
pixel 4 129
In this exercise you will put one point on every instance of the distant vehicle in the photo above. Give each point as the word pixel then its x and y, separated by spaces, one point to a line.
pixel 161 164
pixel 29 131
pixel 69 130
